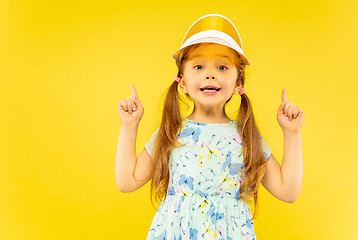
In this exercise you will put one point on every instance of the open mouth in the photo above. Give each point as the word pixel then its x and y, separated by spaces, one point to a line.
pixel 210 89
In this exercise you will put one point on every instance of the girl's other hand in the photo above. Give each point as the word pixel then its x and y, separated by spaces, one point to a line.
pixel 130 110
pixel 289 116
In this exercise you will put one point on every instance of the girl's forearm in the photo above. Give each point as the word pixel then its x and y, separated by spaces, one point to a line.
pixel 292 164
pixel 126 156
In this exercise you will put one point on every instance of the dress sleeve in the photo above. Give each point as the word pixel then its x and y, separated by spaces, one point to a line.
pixel 266 148
pixel 149 145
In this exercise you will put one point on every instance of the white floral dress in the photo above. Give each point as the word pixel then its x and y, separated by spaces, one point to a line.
pixel 203 201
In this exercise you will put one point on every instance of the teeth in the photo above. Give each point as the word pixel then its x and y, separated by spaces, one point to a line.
pixel 205 90
pixel 209 89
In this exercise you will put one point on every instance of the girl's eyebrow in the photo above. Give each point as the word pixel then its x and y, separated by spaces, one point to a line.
pixel 218 55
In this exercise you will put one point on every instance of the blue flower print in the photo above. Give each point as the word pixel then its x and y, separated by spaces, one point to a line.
pixel 171 191
pixel 238 194
pixel 179 204
pixel 178 208
pixel 188 181
pixel 266 155
pixel 196 123
pixel 248 223
pixel 195 132
pixel 214 215
pixel 205 195
pixel 193 234
pixel 211 211
pixel 177 238
pixel 204 202
pixel 217 216
pixel 233 167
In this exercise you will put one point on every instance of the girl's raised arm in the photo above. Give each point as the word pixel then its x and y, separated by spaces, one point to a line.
pixel 285 181
pixel 130 112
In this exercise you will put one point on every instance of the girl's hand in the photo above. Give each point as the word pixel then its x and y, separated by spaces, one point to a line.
pixel 130 110
pixel 289 116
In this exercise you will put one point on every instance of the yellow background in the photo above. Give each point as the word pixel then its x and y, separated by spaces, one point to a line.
pixel 65 65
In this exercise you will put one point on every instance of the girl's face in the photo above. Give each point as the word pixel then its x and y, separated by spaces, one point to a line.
pixel 210 65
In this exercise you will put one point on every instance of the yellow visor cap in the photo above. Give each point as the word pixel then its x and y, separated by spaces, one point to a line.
pixel 214 28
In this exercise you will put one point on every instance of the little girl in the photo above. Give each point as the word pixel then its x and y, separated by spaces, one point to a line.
pixel 205 167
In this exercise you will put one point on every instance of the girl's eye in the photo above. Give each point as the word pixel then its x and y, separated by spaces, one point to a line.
pixel 196 66
pixel 223 66
pixel 201 66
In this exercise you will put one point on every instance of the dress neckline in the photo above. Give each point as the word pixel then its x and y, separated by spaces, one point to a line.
pixel 209 124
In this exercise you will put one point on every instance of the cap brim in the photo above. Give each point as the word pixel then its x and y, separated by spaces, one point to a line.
pixel 211 40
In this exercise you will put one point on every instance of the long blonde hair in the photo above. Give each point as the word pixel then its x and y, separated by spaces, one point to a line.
pixel 254 160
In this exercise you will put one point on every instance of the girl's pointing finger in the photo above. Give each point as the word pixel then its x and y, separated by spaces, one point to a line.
pixel 134 92
pixel 284 95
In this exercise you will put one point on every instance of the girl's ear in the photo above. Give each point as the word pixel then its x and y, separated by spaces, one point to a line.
pixel 236 89
pixel 183 86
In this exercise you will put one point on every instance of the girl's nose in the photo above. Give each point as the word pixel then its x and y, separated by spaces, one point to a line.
pixel 210 77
